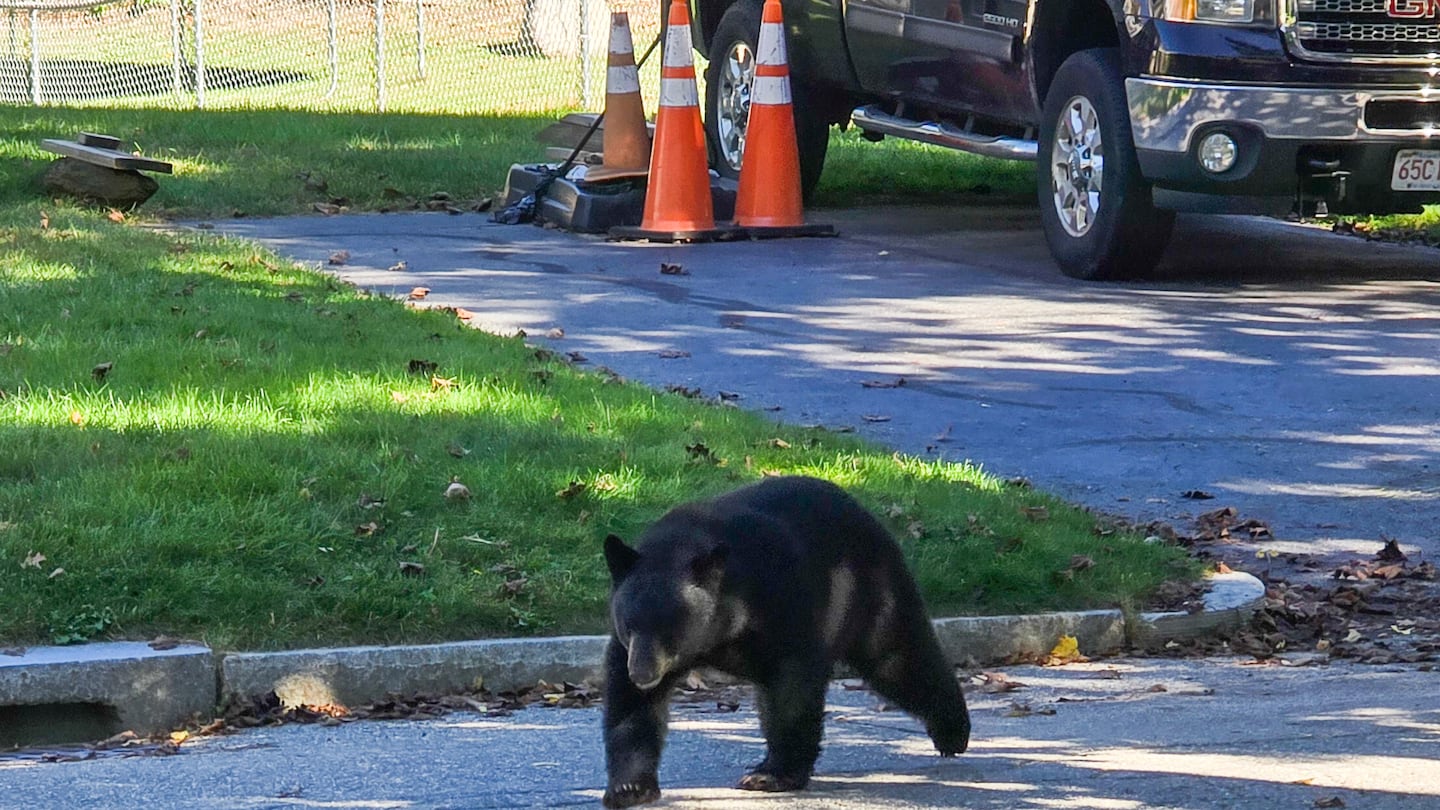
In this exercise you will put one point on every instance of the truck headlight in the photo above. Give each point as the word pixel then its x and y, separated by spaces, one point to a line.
pixel 1238 12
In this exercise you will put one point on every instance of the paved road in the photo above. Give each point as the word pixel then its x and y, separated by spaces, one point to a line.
pixel 1124 734
pixel 1292 373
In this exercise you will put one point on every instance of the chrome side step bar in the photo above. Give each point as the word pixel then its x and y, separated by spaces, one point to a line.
pixel 875 120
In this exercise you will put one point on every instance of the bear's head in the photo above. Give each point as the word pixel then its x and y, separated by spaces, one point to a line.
pixel 664 603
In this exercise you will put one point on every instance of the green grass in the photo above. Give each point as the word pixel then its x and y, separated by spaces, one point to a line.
pixel 260 468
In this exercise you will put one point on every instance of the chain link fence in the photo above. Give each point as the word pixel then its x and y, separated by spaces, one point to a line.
pixel 423 56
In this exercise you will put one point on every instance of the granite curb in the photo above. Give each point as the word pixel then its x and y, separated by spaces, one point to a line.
pixel 130 685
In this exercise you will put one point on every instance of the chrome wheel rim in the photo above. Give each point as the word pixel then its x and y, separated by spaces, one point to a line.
pixel 1077 166
pixel 737 72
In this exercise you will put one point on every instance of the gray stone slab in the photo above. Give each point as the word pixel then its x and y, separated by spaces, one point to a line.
pixel 138 688
pixel 356 675
pixel 980 640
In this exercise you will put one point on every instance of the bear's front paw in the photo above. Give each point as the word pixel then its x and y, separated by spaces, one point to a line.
pixel 628 794
pixel 772 782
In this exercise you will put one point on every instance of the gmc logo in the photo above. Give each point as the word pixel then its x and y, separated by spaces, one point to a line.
pixel 1412 9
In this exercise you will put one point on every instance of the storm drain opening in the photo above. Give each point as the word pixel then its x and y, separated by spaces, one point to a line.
pixel 52 723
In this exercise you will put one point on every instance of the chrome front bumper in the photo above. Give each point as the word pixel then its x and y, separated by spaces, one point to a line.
pixel 1165 115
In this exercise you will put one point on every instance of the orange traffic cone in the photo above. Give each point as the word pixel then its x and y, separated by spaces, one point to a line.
pixel 626 144
pixel 678 207
pixel 768 201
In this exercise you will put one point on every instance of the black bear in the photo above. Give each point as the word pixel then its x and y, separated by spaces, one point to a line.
pixel 773 583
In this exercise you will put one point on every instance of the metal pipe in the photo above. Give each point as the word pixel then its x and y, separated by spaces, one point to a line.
pixel 177 79
pixel 35 57
pixel 334 39
pixel 584 54
pixel 420 37
pixel 199 56
pixel 380 55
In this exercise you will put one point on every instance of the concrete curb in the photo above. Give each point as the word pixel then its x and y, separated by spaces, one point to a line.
pixel 151 691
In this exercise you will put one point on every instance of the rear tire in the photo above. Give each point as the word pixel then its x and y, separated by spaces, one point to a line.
pixel 727 101
pixel 1095 207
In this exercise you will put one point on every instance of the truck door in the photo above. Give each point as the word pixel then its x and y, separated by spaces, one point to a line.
pixel 955 54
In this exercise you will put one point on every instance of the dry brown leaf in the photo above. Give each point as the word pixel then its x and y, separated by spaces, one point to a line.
pixel 571 490
pixel 33 560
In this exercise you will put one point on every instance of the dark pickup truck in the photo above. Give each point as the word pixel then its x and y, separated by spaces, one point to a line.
pixel 1133 109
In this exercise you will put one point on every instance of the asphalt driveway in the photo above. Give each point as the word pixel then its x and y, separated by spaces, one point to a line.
pixel 1291 373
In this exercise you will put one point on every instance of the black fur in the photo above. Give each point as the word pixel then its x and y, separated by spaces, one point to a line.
pixel 774 583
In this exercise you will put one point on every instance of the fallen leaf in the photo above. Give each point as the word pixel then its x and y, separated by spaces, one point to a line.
pixel 327 209
pixel 33 560
pixel 700 452
pixel 56 574
pixel 77 419
pixel 1037 514
pixel 442 383
pixel 398 267
pixel 1391 553
pixel 44 221
pixel 1066 651
pixel 457 491
pixel 779 444
pixel 419 293
pixel 1019 709
pixel 571 490
pixel 997 682
pixel 367 529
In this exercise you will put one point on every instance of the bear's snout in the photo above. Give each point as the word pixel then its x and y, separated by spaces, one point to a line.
pixel 647 663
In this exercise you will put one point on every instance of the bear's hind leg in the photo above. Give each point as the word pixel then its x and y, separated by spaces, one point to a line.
pixel 635 725
pixel 792 715
pixel 917 678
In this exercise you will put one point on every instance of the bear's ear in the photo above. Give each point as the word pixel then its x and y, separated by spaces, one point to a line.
pixel 707 569
pixel 619 557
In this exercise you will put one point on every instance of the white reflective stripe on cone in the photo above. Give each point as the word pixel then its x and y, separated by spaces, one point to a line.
pixel 677 46
pixel 771 50
pixel 620 41
pixel 770 90
pixel 622 79
pixel 679 93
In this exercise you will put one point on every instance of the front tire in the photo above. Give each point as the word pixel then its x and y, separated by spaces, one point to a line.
pixel 1095 207
pixel 728 80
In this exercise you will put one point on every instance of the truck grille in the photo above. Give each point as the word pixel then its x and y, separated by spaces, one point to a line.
pixel 1345 30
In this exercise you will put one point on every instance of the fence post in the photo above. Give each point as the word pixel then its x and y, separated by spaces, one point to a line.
pixel 35 57
pixel 199 56
pixel 420 37
pixel 334 37
pixel 584 54
pixel 380 55
pixel 177 79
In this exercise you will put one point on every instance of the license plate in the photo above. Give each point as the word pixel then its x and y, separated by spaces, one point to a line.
pixel 1416 170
